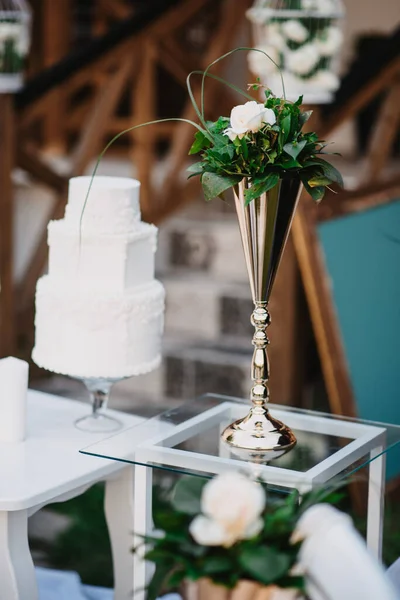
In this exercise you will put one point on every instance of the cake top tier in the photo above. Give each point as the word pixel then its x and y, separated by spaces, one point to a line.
pixel 112 206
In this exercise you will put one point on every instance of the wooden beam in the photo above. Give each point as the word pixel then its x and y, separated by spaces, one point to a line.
pixel 28 158
pixel 362 98
pixel 171 197
pixel 384 134
pixel 57 19
pixel 7 307
pixel 144 110
pixel 91 141
pixel 318 293
pixel 364 198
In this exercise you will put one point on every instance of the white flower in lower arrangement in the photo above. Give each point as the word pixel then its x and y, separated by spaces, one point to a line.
pixel 207 532
pixel 295 31
pixel 303 60
pixel 247 117
pixel 330 41
pixel 232 505
pixel 325 80
pixel 259 64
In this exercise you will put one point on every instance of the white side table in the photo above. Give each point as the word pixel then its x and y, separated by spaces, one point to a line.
pixel 187 440
pixel 47 467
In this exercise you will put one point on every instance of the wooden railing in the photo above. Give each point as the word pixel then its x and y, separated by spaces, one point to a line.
pixel 125 60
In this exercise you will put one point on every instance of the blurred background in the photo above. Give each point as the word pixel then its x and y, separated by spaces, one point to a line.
pixel 95 67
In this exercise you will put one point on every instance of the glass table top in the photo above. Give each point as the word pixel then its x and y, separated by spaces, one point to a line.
pixel 187 440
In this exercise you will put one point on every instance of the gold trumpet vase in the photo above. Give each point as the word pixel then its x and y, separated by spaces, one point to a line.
pixel 264 228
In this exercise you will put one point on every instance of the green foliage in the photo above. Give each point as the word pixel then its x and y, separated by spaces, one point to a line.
pixel 264 157
pixel 267 558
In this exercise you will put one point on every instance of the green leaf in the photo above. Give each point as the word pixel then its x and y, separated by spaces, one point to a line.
pixel 294 148
pixel 316 193
pixel 157 582
pixel 318 181
pixel 285 125
pixel 196 167
pixel 200 141
pixel 186 497
pixel 261 187
pixel 264 564
pixel 329 171
pixel 244 148
pixel 218 564
pixel 304 116
pixel 214 184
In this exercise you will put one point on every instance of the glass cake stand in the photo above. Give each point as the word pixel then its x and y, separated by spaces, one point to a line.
pixel 98 421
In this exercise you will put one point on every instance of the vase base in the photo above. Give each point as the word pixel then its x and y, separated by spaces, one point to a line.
pixel 260 432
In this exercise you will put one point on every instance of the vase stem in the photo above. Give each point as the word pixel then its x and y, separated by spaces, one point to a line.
pixel 260 319
pixel 259 431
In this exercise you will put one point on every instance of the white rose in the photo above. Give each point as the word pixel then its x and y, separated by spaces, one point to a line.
pixel 325 80
pixel 232 505
pixel 207 532
pixel 275 37
pixel 303 60
pixel 259 64
pixel 330 41
pixel 326 7
pixel 309 4
pixel 10 31
pixel 249 117
pixel 23 43
pixel 295 31
pixel 232 135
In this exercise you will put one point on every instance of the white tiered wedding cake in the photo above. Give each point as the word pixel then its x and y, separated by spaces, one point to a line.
pixel 99 311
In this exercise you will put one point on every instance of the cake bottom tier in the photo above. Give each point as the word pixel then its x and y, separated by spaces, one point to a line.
pixel 86 334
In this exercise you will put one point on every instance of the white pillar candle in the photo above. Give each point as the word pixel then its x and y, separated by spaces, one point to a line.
pixel 13 393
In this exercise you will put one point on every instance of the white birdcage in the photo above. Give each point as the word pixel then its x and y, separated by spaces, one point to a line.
pixel 304 38
pixel 15 22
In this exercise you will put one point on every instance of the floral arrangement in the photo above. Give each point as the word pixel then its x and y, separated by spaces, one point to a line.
pixel 263 142
pixel 14 46
pixel 229 530
pixel 303 38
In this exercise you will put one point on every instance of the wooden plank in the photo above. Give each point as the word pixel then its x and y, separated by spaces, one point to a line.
pixel 29 160
pixel 362 98
pixel 363 198
pixel 384 134
pixel 144 110
pixel 232 14
pixel 322 312
pixel 92 141
pixel 7 308
pixel 57 17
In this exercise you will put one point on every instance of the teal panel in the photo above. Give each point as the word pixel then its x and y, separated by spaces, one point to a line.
pixel 362 256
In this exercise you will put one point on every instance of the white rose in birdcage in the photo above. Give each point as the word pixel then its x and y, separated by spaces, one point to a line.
pixel 15 18
pixel 330 40
pixel 303 60
pixel 295 31
pixel 306 37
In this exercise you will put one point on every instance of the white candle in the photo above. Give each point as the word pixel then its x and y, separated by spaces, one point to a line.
pixel 13 393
